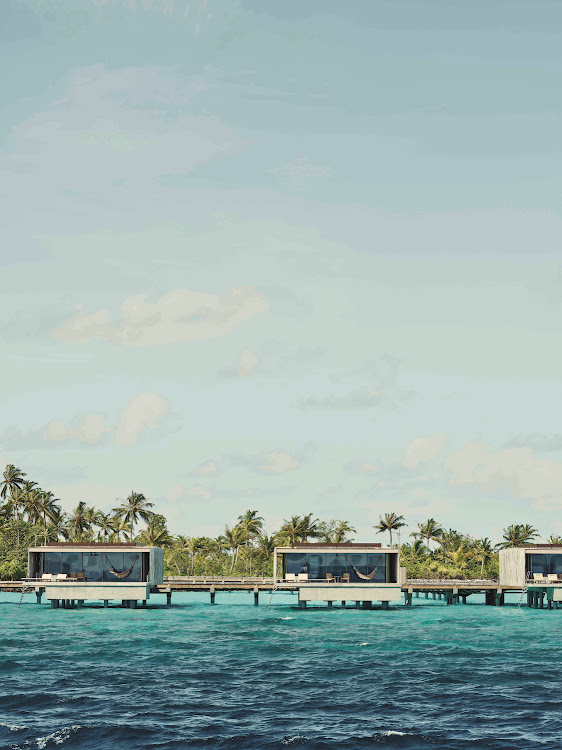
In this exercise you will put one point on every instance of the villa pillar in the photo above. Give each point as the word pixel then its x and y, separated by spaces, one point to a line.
pixel 383 604
pixel 54 603
pixel 302 604
pixel 38 595
pixel 168 598
pixel 212 592
pixel 106 603
pixel 256 596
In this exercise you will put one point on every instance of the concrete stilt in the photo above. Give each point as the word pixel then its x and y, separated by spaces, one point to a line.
pixel 302 604
pixel 54 603
pixel 330 604
pixel 124 603
pixel 106 603
pixel 417 594
pixel 367 605
pixel 143 603
pixel 357 605
pixel 426 595
pixel 256 596
pixel 212 592
pixel 168 598
pixel 434 595
pixel 80 603
pixel 38 595
pixel 343 604
pixel 384 605
pixel 133 604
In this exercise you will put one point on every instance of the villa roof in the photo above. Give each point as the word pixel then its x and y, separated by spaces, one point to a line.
pixel 338 545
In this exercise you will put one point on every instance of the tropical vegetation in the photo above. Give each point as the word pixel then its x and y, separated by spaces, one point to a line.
pixel 30 515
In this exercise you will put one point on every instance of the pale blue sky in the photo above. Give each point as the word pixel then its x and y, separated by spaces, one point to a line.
pixel 299 257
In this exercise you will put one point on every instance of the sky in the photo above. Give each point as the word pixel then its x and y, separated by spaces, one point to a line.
pixel 293 257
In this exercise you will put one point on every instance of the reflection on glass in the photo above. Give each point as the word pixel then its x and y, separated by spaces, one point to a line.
pixel 544 564
pixel 365 567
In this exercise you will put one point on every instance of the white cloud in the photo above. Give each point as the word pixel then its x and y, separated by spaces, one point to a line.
pixel 367 467
pixel 199 492
pixel 279 462
pixel 177 492
pixel 143 412
pixel 518 469
pixel 423 449
pixel 174 493
pixel 206 468
pixel 180 315
pixel 301 168
pixel 247 363
pixel 88 430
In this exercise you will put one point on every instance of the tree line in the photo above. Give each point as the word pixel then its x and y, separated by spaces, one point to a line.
pixel 30 515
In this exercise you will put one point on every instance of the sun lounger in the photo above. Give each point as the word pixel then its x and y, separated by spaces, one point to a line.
pixel 47 577
pixel 302 577
pixel 291 577
pixel 61 576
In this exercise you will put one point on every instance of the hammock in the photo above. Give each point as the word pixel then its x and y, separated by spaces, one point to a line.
pixel 121 574
pixel 361 575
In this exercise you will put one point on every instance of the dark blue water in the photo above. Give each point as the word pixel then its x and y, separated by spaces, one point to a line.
pixel 239 676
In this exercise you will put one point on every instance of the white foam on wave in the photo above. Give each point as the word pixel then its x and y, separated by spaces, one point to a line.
pixel 57 738
pixel 12 727
pixel 364 644
pixel 287 618
pixel 391 731
pixel 296 738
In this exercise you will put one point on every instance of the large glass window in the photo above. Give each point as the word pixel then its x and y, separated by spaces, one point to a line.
pixel 544 564
pixel 366 567
pixel 97 565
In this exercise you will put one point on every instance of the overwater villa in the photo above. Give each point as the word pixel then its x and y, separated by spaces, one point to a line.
pixel 350 572
pixel 70 571
pixel 536 567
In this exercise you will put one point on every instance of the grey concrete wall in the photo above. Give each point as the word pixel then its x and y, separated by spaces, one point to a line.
pixel 512 567
pixel 156 573
pixel 361 593
pixel 97 591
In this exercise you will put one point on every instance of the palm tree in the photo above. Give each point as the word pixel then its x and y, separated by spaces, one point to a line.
pixel 415 552
pixel 308 527
pixel 291 527
pixel 343 528
pixel 193 546
pixel 13 479
pixel 32 505
pixel 106 525
pixel 48 506
pixel 79 521
pixel 430 530
pixel 552 539
pixel 484 549
pixel 517 535
pixel 134 507
pixel 459 558
pixel 155 535
pixel 389 523
pixel 234 538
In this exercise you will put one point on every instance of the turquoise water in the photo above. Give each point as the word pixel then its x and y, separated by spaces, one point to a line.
pixel 238 676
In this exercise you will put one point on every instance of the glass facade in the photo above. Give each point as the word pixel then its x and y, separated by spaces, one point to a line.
pixel 380 567
pixel 97 565
pixel 544 564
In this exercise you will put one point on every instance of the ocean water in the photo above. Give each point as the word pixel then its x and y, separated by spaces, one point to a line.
pixel 238 676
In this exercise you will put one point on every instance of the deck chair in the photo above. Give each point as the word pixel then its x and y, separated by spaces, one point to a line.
pixel 61 576
pixel 345 578
pixel 290 577
pixel 80 576
pixel 552 576
pixel 538 576
pixel 47 577
pixel 302 577
pixel 330 578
